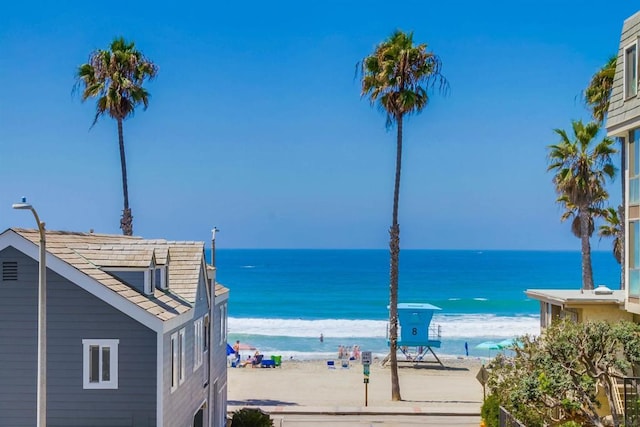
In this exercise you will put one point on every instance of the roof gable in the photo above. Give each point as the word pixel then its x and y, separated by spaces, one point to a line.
pixel 90 253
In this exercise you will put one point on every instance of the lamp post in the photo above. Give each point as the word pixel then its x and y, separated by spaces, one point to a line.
pixel 42 318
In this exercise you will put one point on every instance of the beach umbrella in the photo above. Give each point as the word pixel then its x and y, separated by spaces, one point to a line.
pixel 229 350
pixel 508 343
pixel 489 345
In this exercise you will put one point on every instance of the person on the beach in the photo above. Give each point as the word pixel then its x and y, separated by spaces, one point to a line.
pixel 321 338
pixel 236 350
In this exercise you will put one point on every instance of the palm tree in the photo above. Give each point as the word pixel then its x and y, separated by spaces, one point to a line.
pixel 396 76
pixel 598 92
pixel 581 169
pixel 613 228
pixel 115 77
pixel 597 96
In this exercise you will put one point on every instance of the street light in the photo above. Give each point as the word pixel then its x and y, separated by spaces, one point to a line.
pixel 42 318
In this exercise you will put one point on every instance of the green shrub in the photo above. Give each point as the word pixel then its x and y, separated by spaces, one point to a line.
pixel 571 424
pixel 491 411
pixel 248 417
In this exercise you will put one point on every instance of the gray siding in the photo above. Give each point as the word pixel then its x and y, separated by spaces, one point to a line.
pixel 180 406
pixel 135 279
pixel 73 315
pixel 622 112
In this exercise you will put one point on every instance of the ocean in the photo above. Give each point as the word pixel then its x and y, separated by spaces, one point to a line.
pixel 281 301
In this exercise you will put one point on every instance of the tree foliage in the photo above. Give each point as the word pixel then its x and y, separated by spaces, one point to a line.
pixel 556 377
pixel 598 93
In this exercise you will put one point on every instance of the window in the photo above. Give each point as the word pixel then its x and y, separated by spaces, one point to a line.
pixel 198 346
pixel 205 342
pixel 100 364
pixel 149 281
pixel 634 259
pixel 177 359
pixel 633 164
pixel 630 71
pixel 223 324
pixel 161 277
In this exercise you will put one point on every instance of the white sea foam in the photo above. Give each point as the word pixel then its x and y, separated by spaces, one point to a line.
pixel 337 328
pixel 248 266
pixel 483 325
pixel 452 326
pixel 480 299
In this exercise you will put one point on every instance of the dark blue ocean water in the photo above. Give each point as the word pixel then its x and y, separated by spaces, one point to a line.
pixel 282 300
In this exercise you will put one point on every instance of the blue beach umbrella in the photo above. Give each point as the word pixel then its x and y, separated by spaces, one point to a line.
pixel 229 349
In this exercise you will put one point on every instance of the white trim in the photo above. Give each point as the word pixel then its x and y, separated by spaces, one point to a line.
pixel 159 379
pixel 112 383
pixel 97 289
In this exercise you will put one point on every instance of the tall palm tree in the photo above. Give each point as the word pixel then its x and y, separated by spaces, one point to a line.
pixel 596 97
pixel 613 228
pixel 115 77
pixel 397 76
pixel 581 169
pixel 598 92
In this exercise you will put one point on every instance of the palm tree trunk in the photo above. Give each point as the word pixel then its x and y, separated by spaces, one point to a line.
pixel 126 222
pixel 394 249
pixel 587 271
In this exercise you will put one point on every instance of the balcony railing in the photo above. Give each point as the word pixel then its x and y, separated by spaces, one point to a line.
pixel 508 420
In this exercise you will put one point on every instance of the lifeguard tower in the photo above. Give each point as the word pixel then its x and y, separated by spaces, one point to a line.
pixel 416 335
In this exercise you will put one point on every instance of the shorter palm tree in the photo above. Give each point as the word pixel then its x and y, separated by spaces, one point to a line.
pixel 612 228
pixel 581 170
pixel 598 93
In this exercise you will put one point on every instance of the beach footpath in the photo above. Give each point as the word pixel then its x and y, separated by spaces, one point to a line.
pixel 309 392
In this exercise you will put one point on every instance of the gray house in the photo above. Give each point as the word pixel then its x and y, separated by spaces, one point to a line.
pixel 136 332
pixel 623 122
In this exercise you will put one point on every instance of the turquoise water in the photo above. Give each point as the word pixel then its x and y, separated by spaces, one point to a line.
pixel 282 300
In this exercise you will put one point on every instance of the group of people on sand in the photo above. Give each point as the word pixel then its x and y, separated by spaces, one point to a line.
pixel 254 360
pixel 351 353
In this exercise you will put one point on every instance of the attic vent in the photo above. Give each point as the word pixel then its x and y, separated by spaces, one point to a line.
pixel 9 270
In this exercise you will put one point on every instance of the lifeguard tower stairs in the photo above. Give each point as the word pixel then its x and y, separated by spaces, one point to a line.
pixel 417 337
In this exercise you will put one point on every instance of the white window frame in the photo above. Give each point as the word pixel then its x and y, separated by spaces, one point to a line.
pixel 113 363
pixel 175 364
pixel 198 346
pixel 164 277
pixel 177 348
pixel 183 359
pixel 223 324
pixel 625 81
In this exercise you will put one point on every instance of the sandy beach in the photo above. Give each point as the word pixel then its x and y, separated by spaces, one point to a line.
pixel 426 387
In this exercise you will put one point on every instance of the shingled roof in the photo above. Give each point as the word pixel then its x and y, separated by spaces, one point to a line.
pixel 90 253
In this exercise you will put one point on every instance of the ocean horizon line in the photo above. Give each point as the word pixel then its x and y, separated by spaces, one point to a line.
pixel 411 249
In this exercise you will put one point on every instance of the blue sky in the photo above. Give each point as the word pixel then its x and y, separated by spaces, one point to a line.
pixel 256 124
